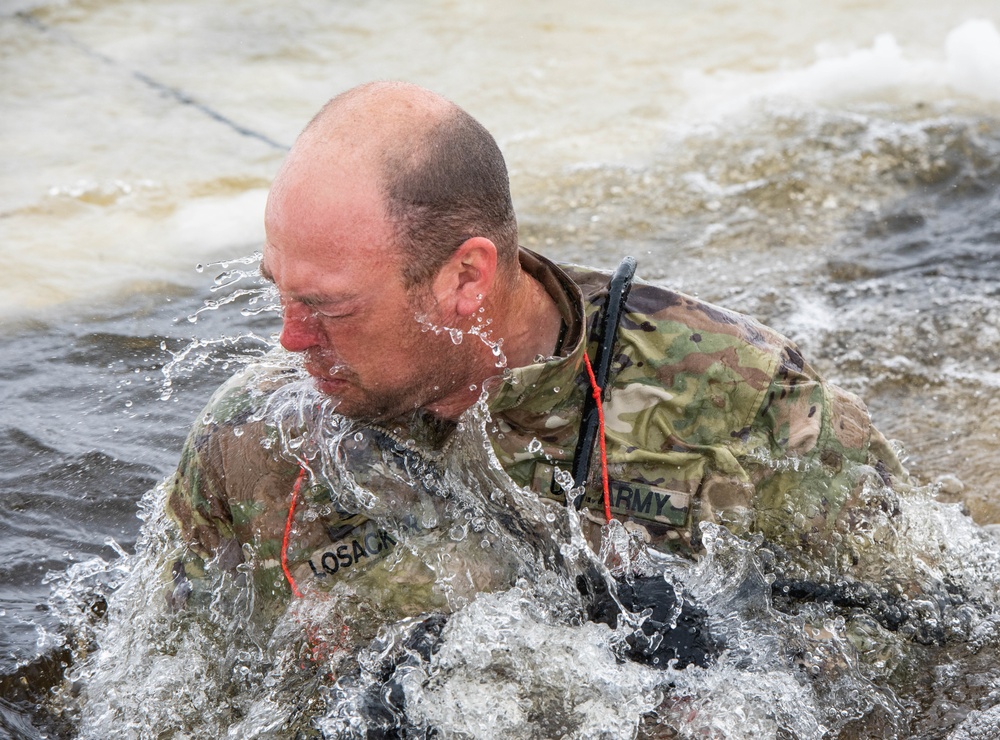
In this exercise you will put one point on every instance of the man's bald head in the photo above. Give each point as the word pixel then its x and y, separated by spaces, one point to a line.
pixel 440 173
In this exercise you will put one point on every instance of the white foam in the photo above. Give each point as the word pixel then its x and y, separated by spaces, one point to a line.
pixel 974 59
pixel 211 225
pixel 968 64
pixel 96 242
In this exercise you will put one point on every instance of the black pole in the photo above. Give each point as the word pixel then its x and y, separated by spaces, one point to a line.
pixel 606 328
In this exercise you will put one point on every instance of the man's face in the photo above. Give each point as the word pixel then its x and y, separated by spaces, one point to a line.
pixel 330 252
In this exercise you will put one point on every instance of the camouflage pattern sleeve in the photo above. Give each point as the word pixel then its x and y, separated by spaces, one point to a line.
pixel 825 478
pixel 230 489
pixel 196 500
pixel 198 503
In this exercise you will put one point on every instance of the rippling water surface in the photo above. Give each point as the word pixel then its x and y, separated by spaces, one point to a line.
pixel 836 175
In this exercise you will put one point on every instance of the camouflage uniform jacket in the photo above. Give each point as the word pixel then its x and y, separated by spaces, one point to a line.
pixel 710 416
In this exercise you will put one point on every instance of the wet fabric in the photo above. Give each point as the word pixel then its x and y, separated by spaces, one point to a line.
pixel 711 417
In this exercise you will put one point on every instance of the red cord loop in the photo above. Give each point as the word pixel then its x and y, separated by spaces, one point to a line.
pixel 288 529
pixel 600 421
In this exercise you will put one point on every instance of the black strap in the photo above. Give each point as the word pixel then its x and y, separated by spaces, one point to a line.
pixel 606 333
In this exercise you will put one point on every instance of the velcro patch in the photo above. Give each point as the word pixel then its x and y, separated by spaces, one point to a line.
pixel 641 501
pixel 339 557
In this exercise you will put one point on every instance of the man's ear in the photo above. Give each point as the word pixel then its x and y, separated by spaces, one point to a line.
pixel 467 277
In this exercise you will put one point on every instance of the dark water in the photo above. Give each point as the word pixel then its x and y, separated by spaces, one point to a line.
pixel 85 434
pixel 872 237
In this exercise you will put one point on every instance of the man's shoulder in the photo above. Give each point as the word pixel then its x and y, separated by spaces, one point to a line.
pixel 243 395
pixel 658 316
pixel 236 424
pixel 231 471
pixel 677 329
pixel 705 367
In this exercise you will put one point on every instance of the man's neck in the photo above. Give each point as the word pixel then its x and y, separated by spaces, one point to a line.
pixel 528 321
pixel 534 323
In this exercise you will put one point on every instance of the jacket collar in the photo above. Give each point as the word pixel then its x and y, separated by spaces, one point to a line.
pixel 538 387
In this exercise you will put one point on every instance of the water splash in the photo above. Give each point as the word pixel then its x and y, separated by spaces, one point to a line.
pixel 224 350
pixel 498 622
pixel 480 329
pixel 512 651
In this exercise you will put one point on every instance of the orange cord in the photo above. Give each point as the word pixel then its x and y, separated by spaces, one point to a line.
pixel 288 529
pixel 600 420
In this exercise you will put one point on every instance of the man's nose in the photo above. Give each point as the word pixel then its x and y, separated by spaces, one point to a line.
pixel 299 328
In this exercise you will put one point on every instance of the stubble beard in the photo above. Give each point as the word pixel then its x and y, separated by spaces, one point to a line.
pixel 439 369
pixel 435 378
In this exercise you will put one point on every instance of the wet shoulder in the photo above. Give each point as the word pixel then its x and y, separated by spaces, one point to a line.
pixel 652 309
pixel 655 310
pixel 685 372
pixel 241 398
pixel 232 443
pixel 706 366
pixel 679 338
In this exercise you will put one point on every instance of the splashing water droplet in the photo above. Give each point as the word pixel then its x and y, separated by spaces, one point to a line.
pixel 534 445
pixel 456 336
pixel 563 479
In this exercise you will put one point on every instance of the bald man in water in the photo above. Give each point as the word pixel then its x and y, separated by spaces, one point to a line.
pixel 364 233
pixel 392 243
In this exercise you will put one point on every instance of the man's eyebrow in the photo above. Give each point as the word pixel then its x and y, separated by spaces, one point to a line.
pixel 312 300
pixel 316 301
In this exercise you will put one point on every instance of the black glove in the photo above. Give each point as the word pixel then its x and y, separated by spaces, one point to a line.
pixel 658 641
